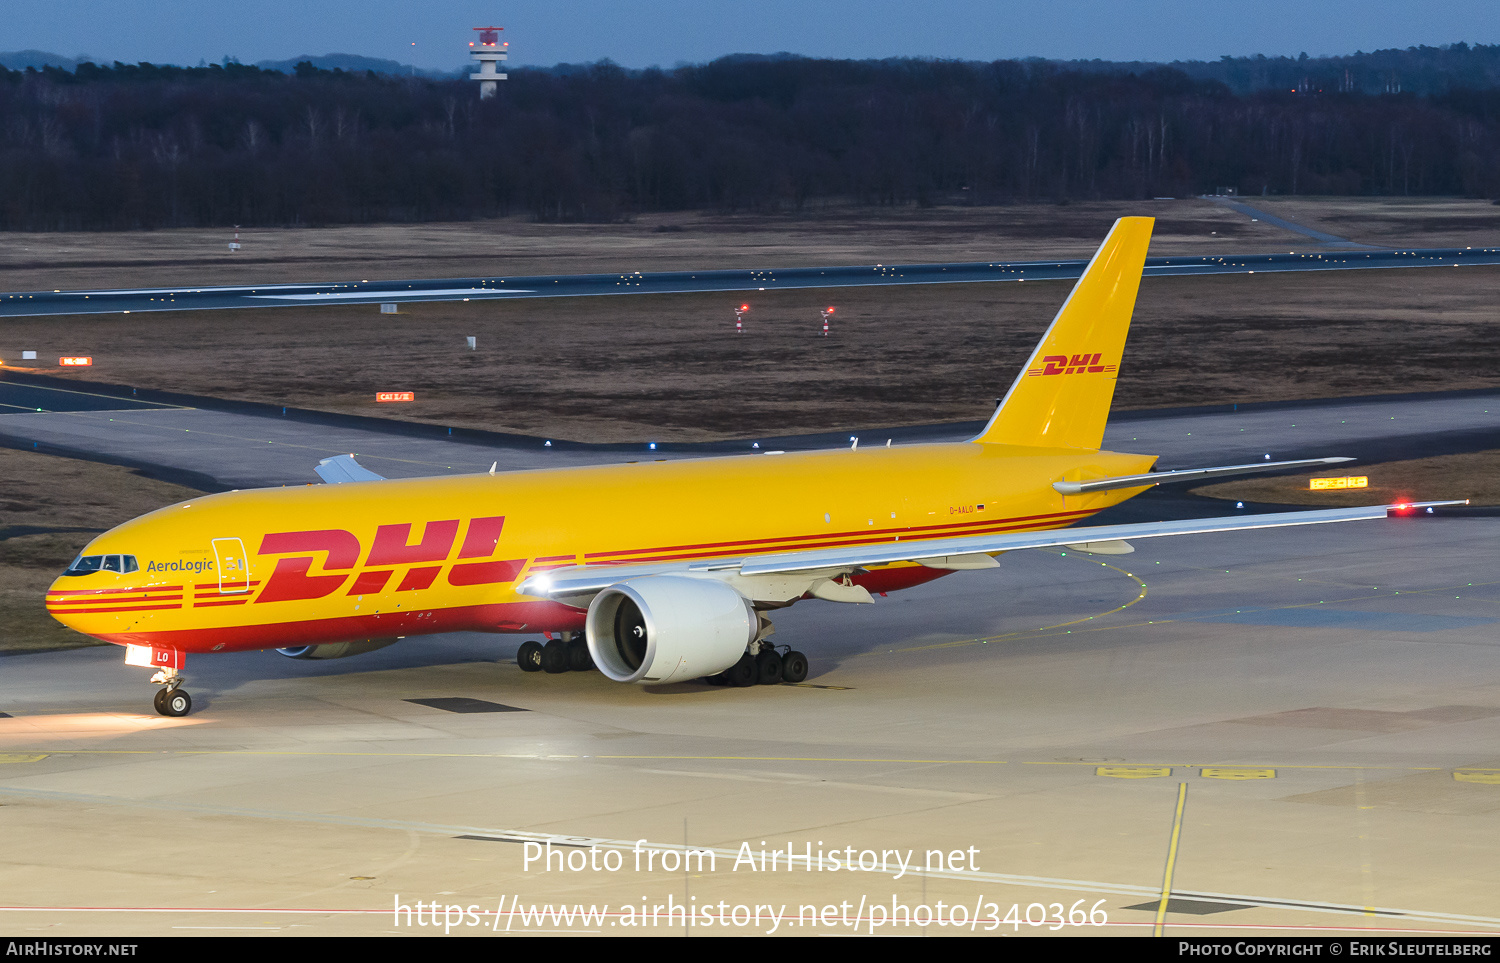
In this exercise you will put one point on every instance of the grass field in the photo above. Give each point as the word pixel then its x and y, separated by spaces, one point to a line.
pixel 657 242
pixel 670 367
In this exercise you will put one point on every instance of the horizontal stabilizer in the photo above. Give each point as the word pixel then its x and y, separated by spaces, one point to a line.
pixel 343 468
pixel 1187 474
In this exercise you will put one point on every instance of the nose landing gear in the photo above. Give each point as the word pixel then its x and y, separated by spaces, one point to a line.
pixel 171 700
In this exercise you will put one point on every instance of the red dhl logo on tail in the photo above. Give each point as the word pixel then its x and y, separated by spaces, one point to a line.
pixel 391 551
pixel 1056 364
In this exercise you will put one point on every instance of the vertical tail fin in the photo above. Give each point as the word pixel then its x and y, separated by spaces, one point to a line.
pixel 1061 399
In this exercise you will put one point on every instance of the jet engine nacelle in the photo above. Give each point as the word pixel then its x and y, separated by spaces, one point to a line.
pixel 667 628
pixel 336 650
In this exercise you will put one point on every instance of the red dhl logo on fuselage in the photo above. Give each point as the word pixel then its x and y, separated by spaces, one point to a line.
pixel 1056 364
pixel 391 551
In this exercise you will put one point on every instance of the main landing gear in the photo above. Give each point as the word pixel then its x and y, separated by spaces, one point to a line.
pixel 765 666
pixel 171 700
pixel 760 665
pixel 568 653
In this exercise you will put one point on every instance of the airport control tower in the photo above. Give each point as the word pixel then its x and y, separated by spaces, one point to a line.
pixel 488 52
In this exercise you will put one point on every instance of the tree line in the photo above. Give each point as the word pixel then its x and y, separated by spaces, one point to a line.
pixel 143 146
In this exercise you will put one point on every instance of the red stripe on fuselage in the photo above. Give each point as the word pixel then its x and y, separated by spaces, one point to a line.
pixel 117 591
pixel 62 604
pixel 138 608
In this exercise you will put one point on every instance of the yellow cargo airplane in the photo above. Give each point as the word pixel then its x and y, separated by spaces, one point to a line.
pixel 657 572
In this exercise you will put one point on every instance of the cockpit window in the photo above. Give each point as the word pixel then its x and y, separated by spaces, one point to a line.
pixel 85 565
pixel 89 564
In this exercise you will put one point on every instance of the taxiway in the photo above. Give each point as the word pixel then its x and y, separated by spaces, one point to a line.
pixel 1312 711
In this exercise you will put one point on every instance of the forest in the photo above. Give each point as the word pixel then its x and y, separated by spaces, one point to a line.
pixel 122 146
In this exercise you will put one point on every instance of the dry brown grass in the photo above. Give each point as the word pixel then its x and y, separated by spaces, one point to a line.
pixel 1393 221
pixel 1475 476
pixel 658 242
pixel 50 508
pixel 670 367
pixel 664 242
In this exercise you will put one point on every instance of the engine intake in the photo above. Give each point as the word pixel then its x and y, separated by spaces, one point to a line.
pixel 667 628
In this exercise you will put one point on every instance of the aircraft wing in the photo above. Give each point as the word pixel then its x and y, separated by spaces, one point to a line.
pixel 862 555
pixel 947 553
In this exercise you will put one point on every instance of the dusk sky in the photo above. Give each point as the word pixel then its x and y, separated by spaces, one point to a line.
pixel 667 32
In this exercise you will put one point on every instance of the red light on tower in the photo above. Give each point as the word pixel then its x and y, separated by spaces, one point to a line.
pixel 488 53
pixel 827 313
pixel 739 314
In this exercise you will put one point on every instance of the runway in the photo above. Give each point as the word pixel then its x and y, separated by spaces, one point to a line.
pixel 1330 700
pixel 126 300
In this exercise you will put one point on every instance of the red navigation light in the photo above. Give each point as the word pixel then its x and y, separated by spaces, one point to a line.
pixel 744 307
pixel 830 310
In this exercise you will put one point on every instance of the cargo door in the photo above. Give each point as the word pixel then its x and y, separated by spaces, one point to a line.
pixel 234 566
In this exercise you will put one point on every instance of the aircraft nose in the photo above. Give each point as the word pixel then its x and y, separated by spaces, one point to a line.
pixel 57 597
